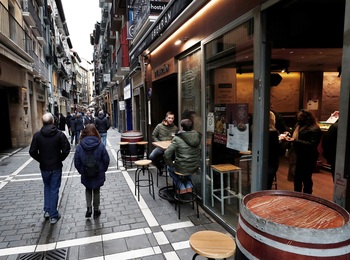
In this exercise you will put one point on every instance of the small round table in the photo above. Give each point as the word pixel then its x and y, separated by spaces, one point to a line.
pixel 212 244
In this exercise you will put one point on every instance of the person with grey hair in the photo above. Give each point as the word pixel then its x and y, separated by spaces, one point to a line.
pixel 50 147
pixel 102 126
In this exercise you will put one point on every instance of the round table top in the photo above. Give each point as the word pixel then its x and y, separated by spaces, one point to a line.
pixel 142 142
pixel 123 143
pixel 212 244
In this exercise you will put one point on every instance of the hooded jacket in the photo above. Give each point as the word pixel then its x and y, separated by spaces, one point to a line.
pixel 92 143
pixel 102 124
pixel 49 147
pixel 186 147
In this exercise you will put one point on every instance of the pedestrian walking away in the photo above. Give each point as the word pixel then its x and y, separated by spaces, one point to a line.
pixel 68 122
pixel 61 122
pixel 102 125
pixel 50 147
pixel 78 126
pixel 90 144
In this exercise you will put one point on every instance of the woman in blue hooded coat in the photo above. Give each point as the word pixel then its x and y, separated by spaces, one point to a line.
pixel 90 140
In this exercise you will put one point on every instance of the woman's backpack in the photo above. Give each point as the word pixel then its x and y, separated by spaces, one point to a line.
pixel 90 165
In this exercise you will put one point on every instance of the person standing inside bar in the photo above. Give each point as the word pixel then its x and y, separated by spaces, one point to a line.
pixel 303 152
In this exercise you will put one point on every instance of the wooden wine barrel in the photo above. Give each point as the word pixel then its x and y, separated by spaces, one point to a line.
pixel 291 225
pixel 132 137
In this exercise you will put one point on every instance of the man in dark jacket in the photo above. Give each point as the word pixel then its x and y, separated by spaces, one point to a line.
pixel 186 147
pixel 102 125
pixel 50 147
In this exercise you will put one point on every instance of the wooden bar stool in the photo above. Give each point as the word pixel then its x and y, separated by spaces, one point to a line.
pixel 225 193
pixel 212 244
pixel 142 167
pixel 189 197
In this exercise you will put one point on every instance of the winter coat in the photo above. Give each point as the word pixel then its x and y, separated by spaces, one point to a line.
pixel 102 124
pixel 62 123
pixel 186 146
pixel 164 132
pixel 90 143
pixel 303 153
pixel 78 124
pixel 88 120
pixel 68 120
pixel 49 147
pixel 72 123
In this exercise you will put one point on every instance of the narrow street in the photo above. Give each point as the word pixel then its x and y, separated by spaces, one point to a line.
pixel 127 228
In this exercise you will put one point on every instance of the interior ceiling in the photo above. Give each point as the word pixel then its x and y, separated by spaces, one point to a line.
pixel 307 33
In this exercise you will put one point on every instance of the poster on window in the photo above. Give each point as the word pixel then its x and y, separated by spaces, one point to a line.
pixel 238 126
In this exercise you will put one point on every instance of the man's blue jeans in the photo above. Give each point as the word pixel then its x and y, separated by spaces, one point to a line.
pixel 104 138
pixel 52 184
pixel 77 136
pixel 180 184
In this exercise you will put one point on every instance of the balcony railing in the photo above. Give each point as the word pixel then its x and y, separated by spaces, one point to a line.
pixel 30 15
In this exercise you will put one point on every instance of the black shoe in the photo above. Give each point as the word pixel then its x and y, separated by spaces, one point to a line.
pixel 88 212
pixel 53 221
pixel 97 213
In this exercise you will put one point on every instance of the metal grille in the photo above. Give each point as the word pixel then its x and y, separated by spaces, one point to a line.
pixel 57 254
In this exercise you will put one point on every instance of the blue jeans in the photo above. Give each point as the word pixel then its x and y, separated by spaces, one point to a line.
pixel 182 184
pixel 77 136
pixel 156 156
pixel 104 138
pixel 52 184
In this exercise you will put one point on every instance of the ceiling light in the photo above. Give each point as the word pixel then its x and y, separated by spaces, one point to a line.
pixel 177 42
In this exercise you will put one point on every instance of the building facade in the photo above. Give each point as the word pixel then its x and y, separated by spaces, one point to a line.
pixel 37 68
pixel 229 61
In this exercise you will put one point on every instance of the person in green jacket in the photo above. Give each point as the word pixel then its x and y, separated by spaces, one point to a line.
pixel 186 149
pixel 164 131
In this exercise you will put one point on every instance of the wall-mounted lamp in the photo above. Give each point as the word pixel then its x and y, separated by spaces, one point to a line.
pixel 285 70
pixel 182 40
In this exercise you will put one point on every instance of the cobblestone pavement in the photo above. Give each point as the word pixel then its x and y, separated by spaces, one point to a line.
pixel 126 229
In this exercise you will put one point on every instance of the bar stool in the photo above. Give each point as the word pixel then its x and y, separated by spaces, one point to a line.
pixel 246 156
pixel 225 169
pixel 212 244
pixel 189 197
pixel 142 151
pixel 142 167
pixel 123 153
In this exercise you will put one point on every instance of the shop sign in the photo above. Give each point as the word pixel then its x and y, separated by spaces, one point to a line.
pixel 157 7
pixel 127 92
pixel 172 11
pixel 106 77
pixel 163 70
pixel 121 105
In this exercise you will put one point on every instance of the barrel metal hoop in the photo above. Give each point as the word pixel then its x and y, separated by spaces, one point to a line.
pixel 341 251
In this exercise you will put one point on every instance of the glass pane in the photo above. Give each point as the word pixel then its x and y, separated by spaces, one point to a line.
pixel 229 97
pixel 190 68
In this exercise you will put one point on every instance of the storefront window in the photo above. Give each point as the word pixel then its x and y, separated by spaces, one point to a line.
pixel 190 93
pixel 229 104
